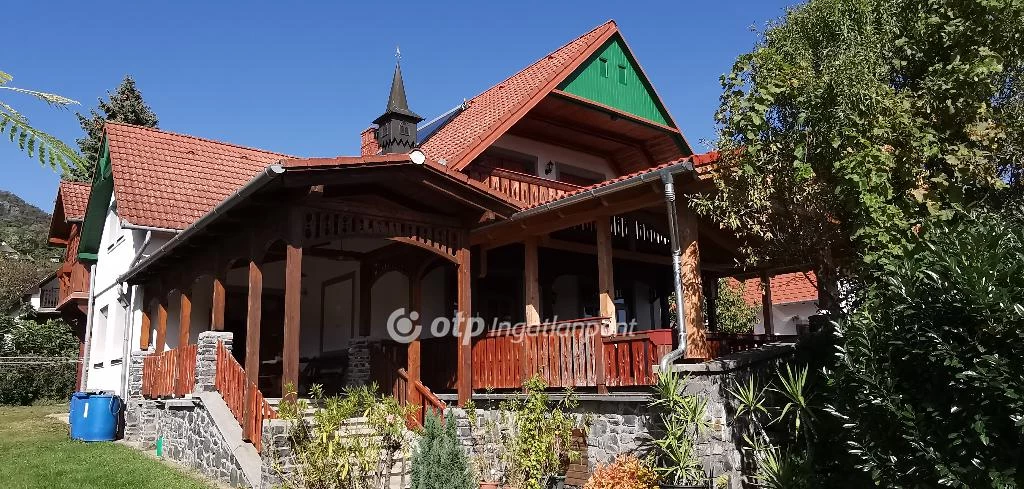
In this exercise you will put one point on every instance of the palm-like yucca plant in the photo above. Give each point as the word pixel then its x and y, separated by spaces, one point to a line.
pixel 682 418
pixel 798 406
pixel 47 148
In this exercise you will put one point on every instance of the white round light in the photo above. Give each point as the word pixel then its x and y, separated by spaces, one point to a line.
pixel 417 157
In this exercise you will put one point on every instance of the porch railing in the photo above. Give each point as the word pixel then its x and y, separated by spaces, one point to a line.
pixel 428 402
pixel 231 383
pixel 629 359
pixel 169 374
pixel 562 354
pixel 726 343
pixel 528 189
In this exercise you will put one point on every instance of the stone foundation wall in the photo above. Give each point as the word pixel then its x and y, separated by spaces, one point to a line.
pixel 358 372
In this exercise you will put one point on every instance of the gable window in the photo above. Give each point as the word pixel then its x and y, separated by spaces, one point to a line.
pixel 622 74
pixel 604 67
pixel 510 160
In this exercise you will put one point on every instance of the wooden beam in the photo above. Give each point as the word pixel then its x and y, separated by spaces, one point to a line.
pixel 147 327
pixel 693 290
pixel 218 303
pixel 365 286
pixel 766 303
pixel 605 294
pixel 583 248
pixel 292 322
pixel 464 314
pixel 252 341
pixel 413 357
pixel 184 316
pixel 161 326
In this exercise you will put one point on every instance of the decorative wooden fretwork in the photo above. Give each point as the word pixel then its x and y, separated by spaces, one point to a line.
pixel 319 225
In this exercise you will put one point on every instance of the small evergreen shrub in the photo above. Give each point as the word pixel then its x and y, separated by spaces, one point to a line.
pixel 440 462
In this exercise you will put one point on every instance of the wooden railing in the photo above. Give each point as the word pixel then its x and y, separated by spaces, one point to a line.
pixel 725 343
pixel 426 402
pixel 231 382
pixel 529 189
pixel 629 359
pixel 73 275
pixel 169 374
pixel 49 297
pixel 563 355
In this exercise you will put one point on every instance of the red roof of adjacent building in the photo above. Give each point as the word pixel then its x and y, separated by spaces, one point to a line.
pixel 168 180
pixel 492 112
pixel 786 288
pixel 74 196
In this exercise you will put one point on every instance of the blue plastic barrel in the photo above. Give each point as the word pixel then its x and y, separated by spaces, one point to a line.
pixel 98 419
pixel 75 414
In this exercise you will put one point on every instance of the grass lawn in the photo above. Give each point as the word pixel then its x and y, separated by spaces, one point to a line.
pixel 35 452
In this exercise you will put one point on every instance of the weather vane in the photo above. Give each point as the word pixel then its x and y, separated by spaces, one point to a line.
pixel 398 53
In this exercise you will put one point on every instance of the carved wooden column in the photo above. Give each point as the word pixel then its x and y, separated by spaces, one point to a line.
pixel 531 282
pixel 218 301
pixel 606 296
pixel 161 325
pixel 252 341
pixel 693 293
pixel 184 315
pixel 146 327
pixel 464 314
pixel 292 320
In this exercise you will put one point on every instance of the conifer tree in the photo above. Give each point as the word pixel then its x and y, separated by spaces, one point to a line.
pixel 440 461
pixel 124 105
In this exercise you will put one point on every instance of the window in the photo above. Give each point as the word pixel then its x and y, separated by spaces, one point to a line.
pixel 510 160
pixel 405 129
pixel 99 337
pixel 622 74
pixel 604 67
pixel 578 176
pixel 112 228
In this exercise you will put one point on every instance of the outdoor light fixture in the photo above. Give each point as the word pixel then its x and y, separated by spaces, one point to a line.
pixel 550 167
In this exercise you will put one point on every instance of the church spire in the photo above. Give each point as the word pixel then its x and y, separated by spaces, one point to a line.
pixel 396 132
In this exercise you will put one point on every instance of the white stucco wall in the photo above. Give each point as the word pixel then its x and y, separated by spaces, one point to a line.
pixel 118 247
pixel 549 152
pixel 786 317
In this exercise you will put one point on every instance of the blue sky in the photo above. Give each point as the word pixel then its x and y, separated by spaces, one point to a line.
pixel 306 79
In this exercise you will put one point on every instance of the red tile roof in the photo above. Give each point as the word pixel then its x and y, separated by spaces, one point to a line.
pixel 786 288
pixel 168 180
pixel 489 114
pixel 74 196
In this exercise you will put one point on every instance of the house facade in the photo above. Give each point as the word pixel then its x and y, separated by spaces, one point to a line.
pixel 539 228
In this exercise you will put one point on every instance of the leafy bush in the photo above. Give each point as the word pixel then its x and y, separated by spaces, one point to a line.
pixel 732 313
pixel 331 454
pixel 933 393
pixel 50 373
pixel 440 461
pixel 539 444
pixel 626 472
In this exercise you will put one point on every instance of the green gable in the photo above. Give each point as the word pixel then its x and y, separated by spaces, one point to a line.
pixel 96 211
pixel 612 77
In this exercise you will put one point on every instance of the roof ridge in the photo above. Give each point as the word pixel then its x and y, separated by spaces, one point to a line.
pixel 546 56
pixel 197 138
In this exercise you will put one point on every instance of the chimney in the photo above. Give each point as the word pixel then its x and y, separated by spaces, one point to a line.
pixel 368 145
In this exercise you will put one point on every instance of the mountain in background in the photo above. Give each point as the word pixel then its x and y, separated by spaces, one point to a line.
pixel 25 257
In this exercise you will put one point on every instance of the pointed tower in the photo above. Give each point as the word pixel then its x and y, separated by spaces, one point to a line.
pixel 396 128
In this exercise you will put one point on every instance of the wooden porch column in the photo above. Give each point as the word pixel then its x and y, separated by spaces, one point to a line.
pixel 252 342
pixel 606 295
pixel 531 282
pixel 217 304
pixel 292 319
pixel 147 312
pixel 464 315
pixel 184 316
pixel 766 303
pixel 693 293
pixel 161 325
pixel 414 360
pixel 711 298
pixel 364 297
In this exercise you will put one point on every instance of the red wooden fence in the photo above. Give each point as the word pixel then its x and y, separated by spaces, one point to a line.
pixel 233 386
pixel 427 400
pixel 726 343
pixel 169 374
pixel 629 359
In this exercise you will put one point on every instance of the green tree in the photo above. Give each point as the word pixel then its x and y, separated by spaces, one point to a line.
pixel 733 314
pixel 440 461
pixel 931 388
pixel 124 105
pixel 48 149
pixel 853 120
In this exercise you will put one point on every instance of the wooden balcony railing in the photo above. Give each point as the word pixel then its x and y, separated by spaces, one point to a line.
pixel 529 189
pixel 169 374
pixel 74 279
pixel 725 343
pixel 49 297
pixel 629 359
pixel 236 390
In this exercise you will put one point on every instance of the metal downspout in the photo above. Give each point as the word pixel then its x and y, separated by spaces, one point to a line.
pixel 677 279
pixel 88 329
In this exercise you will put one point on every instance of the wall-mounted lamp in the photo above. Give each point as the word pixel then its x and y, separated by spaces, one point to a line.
pixel 550 167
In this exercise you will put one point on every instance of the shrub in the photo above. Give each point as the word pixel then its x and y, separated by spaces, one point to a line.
pixel 440 461
pixel 732 313
pixel 930 369
pixel 50 373
pixel 626 472
pixel 539 444
pixel 680 420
